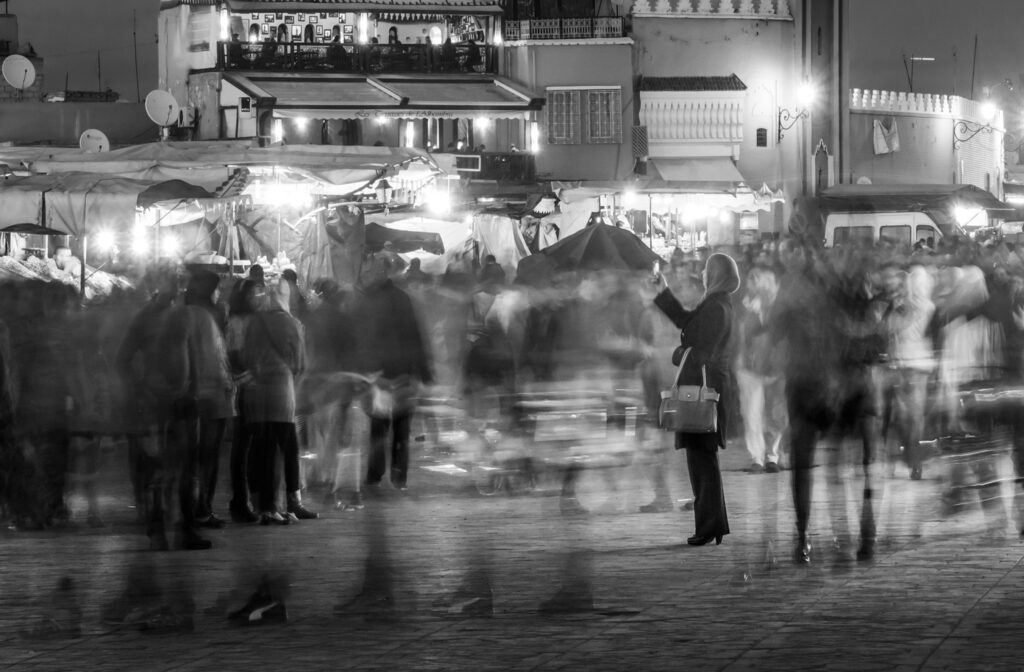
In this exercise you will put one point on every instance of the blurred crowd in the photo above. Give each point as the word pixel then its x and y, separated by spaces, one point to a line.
pixel 897 357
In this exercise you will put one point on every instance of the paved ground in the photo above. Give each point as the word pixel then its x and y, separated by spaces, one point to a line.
pixel 628 592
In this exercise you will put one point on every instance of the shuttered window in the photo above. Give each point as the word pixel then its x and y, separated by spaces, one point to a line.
pixel 604 116
pixel 563 117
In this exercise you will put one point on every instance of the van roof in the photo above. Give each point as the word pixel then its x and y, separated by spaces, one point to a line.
pixel 906 197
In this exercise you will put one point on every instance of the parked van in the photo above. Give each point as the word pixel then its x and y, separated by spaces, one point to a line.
pixel 905 214
pixel 904 228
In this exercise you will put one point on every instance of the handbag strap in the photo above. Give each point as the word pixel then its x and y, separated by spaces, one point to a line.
pixel 679 371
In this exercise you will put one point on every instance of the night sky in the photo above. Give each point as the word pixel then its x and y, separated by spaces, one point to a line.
pixel 69 33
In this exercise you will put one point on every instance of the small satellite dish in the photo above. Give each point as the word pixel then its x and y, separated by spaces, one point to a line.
pixel 162 108
pixel 94 141
pixel 19 72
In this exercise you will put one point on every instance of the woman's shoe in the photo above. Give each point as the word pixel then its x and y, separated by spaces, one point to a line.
pixel 697 540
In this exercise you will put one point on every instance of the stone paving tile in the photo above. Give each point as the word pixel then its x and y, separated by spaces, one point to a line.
pixel 934 594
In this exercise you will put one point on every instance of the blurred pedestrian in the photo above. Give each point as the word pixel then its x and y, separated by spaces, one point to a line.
pixel 391 343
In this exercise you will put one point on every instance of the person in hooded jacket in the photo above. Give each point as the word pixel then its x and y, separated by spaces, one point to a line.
pixel 275 353
pixel 706 331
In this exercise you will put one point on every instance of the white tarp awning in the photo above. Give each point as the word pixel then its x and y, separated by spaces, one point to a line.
pixel 76 203
pixel 208 163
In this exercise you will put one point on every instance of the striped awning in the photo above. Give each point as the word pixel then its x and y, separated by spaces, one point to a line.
pixel 329 96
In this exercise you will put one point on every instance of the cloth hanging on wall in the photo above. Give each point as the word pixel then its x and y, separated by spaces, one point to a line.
pixel 886 136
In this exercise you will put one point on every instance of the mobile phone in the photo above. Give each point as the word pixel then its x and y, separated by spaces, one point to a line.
pixel 656 272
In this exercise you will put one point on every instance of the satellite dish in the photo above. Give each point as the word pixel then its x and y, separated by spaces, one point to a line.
pixel 162 108
pixel 19 72
pixel 94 141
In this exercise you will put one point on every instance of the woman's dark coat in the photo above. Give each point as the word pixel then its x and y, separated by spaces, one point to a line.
pixel 706 329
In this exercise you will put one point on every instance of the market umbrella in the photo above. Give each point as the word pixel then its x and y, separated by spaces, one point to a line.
pixel 601 247
pixel 402 241
pixel 171 190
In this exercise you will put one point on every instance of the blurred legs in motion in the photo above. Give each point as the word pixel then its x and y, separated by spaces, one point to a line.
pixel 390 433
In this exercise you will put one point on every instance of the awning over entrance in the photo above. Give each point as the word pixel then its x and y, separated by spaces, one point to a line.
pixel 716 173
pixel 329 96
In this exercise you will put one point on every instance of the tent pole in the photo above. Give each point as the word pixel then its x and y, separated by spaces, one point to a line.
pixel 85 257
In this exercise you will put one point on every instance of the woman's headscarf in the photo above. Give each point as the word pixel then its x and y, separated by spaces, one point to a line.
pixel 723 276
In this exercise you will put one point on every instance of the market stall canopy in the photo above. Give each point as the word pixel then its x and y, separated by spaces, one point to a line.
pixel 907 197
pixel 601 247
pixel 74 203
pixel 32 229
pixel 697 174
pixel 210 163
pixel 346 96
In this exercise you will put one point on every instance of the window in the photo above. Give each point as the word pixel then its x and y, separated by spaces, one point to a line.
pixel 762 137
pixel 926 231
pixel 578 116
pixel 563 117
pixel 852 234
pixel 604 116
pixel 895 234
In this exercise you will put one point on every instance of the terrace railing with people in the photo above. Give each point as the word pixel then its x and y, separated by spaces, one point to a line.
pixel 362 58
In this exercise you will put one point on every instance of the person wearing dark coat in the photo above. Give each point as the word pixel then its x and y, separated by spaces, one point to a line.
pixel 391 343
pixel 705 330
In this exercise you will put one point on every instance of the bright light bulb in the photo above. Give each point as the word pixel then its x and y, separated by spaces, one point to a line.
pixel 301 123
pixel 497 38
pixel 534 137
pixel 140 240
pixel 277 134
pixel 805 94
pixel 629 198
pixel 170 246
pixel 363 29
pixel 225 25
pixel 410 133
pixel 105 240
pixel 437 201
pixel 988 111
pixel 482 122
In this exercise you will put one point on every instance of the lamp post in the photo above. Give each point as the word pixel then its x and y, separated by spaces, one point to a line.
pixel 964 130
pixel 787 119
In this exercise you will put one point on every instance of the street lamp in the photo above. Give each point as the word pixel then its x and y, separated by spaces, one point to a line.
pixel 964 131
pixel 788 119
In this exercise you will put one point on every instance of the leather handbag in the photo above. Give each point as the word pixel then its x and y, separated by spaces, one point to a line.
pixel 690 409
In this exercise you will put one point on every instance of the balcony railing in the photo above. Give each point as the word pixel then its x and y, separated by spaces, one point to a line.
pixel 584 28
pixel 362 58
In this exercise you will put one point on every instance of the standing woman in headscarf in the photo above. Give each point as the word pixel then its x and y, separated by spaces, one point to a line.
pixel 705 329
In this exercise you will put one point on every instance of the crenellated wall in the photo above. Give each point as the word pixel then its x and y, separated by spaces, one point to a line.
pixel 778 10
pixel 942 139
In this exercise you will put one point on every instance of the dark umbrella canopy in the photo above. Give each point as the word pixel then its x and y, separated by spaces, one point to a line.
pixel 601 247
pixel 31 228
pixel 402 241
pixel 171 190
